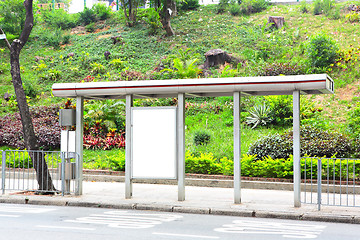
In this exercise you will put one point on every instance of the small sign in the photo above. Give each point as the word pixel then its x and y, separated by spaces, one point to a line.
pixel 2 36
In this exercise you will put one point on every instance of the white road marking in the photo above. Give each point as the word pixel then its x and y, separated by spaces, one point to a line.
pixel 63 227
pixel 5 215
pixel 185 235
pixel 13 209
pixel 287 230
pixel 123 219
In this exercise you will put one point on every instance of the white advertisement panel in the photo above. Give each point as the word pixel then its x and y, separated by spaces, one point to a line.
pixel 154 154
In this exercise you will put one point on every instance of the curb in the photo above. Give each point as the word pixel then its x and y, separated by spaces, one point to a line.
pixel 197 182
pixel 321 217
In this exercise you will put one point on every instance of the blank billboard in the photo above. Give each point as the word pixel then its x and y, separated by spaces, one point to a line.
pixel 154 154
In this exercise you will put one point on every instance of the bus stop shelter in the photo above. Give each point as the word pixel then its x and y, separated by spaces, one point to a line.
pixel 295 85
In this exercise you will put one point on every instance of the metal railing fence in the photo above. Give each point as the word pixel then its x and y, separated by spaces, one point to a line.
pixel 23 170
pixel 331 181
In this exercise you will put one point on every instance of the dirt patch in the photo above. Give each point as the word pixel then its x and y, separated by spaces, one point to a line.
pixel 348 92
pixel 104 36
pixel 78 30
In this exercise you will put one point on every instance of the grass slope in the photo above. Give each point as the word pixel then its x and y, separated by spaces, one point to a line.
pixel 245 37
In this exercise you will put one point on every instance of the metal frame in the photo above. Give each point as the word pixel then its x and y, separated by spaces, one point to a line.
pixel 79 144
pixel 236 86
pixel 128 150
pixel 132 142
pixel 23 177
pixel 296 148
pixel 237 148
pixel 181 146
pixel 330 187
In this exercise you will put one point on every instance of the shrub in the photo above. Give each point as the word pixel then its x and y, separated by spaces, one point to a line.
pixel 353 121
pixel 46 126
pixel 201 137
pixel 280 109
pixel 97 68
pixel 222 6
pixel 66 39
pixel 53 38
pixel 60 19
pixel 317 7
pixel 276 69
pixel 129 75
pixel 259 115
pixel 102 11
pixel 323 6
pixel 228 72
pixel 314 142
pixel 87 16
pixel 90 27
pixel 235 9
pixel 189 5
pixel 353 17
pixel 30 88
pixel 327 6
pixel 253 6
pixel 183 69
pixel 204 164
pixel 304 7
pixel 322 51
pixel 152 18
pixel 118 64
pixel 12 17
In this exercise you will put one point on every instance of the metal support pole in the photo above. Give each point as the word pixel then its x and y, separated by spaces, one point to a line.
pixel 67 163
pixel 296 148
pixel 53 5
pixel 3 172
pixel 319 190
pixel 181 146
pixel 117 5
pixel 84 4
pixel 79 144
pixel 63 187
pixel 237 148
pixel 128 157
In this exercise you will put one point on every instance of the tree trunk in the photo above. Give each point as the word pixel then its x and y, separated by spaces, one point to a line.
pixel 173 8
pixel 165 18
pixel 30 139
pixel 277 22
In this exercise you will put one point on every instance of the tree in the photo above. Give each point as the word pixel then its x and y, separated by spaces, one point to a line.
pixel 130 10
pixel 12 17
pixel 166 8
pixel 31 142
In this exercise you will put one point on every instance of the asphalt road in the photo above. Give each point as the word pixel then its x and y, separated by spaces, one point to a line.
pixel 30 222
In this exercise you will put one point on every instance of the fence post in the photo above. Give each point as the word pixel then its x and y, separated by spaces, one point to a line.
pixel 62 173
pixel 319 169
pixel 3 172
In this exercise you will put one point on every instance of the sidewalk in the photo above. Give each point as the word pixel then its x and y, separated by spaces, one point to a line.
pixel 204 200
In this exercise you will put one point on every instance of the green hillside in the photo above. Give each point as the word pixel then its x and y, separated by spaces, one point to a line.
pixel 143 52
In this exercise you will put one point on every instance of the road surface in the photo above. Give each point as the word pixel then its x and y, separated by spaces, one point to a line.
pixel 30 222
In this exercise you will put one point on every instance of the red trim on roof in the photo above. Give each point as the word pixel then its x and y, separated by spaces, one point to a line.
pixel 186 85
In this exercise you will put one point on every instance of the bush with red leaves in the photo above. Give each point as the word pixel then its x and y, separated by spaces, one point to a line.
pixel 46 127
pixel 48 131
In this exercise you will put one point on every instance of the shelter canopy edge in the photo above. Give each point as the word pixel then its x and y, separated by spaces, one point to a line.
pixel 200 87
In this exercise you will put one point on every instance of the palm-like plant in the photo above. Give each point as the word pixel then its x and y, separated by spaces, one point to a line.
pixel 259 115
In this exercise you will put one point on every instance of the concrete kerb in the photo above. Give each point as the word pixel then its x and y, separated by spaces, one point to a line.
pixel 305 216
pixel 198 182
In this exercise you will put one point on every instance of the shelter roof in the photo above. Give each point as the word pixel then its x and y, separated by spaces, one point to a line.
pixel 200 87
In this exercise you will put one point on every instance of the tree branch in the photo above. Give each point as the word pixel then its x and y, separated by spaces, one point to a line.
pixel 29 22
pixel 7 42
